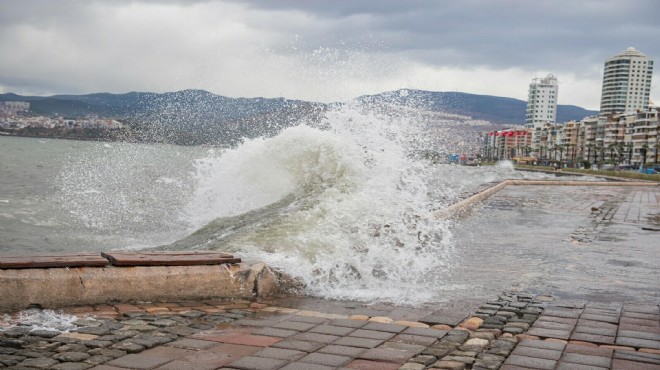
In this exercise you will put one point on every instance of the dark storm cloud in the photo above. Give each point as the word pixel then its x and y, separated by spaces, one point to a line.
pixel 319 49
pixel 500 34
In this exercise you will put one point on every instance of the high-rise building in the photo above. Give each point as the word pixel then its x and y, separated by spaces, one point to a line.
pixel 626 82
pixel 542 101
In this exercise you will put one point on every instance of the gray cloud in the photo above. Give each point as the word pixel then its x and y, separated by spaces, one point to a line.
pixel 318 50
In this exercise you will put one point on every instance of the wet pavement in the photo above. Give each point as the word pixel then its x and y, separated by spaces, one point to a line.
pixel 583 293
pixel 594 243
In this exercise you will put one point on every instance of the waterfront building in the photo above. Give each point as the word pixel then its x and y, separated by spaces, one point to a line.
pixel 542 101
pixel 631 138
pixel 626 82
pixel 13 107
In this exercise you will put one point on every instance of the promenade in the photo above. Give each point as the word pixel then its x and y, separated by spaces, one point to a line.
pixel 588 256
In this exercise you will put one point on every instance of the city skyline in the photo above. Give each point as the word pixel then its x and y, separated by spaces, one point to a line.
pixel 319 51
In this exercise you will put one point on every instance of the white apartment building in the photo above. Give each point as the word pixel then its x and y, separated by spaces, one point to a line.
pixel 542 101
pixel 626 82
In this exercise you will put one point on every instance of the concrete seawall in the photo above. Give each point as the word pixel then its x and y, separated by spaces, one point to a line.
pixel 463 205
pixel 61 287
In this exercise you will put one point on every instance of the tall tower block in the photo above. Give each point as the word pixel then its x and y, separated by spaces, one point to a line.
pixel 542 101
pixel 626 82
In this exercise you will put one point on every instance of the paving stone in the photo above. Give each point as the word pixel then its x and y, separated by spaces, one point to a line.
pixel 371 334
pixel 300 345
pixel 424 359
pixel 98 343
pixel 646 329
pixel 44 333
pixel 274 332
pixel 358 342
pixel 71 356
pixel 257 363
pixel 512 329
pixel 387 355
pixel 332 330
pixel 439 351
pixel 594 338
pixel 464 359
pixel 435 319
pixel 650 309
pixel 603 318
pixel 571 366
pixel 429 332
pixel 543 345
pixel 326 359
pixel 592 351
pixel 389 328
pixel 280 354
pixel 565 320
pixel 640 322
pixel 578 358
pixel 638 343
pixel 530 362
pixel 308 319
pixel 562 312
pixel 553 325
pixel 248 340
pixel 334 349
pixel 639 315
pixel 414 339
pixel 314 337
pixel 457 336
pixel 306 366
pixel 549 333
pixel 363 364
pixel 537 353
pixel 197 344
pixel 348 323
pixel 129 347
pixel 450 365
pixel 638 334
pixel 139 361
pixel 486 365
pixel 71 366
pixel 638 356
pixel 97 330
pixel 610 332
pixel 114 353
pixel 39 363
pixel 294 325
pixel 412 366
pixel 619 364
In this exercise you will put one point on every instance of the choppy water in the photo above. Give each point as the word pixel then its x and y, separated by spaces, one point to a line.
pixel 347 208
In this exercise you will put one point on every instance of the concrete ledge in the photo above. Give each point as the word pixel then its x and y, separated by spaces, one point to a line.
pixel 463 205
pixel 61 287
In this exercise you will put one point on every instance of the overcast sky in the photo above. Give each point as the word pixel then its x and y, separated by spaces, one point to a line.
pixel 320 50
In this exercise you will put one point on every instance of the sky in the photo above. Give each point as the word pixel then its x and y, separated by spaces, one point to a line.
pixel 320 50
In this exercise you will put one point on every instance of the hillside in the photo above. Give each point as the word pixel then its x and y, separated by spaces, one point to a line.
pixel 494 109
pixel 199 117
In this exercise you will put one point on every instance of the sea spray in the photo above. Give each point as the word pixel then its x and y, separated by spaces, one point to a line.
pixel 347 209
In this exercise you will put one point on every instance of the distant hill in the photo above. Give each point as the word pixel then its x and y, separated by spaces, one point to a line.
pixel 201 117
pixel 495 109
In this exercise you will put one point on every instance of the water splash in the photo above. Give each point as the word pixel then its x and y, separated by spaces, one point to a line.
pixel 348 209
pixel 38 319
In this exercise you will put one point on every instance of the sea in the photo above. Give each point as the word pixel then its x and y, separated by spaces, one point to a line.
pixel 347 206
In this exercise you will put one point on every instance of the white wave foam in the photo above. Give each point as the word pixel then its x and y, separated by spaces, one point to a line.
pixel 362 226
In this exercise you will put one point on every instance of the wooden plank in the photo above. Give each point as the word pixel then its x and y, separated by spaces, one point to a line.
pixel 178 258
pixel 52 260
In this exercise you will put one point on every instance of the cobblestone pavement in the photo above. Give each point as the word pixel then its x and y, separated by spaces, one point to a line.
pixel 513 331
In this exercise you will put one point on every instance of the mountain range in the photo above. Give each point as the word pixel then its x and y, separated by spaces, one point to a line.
pixel 198 116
